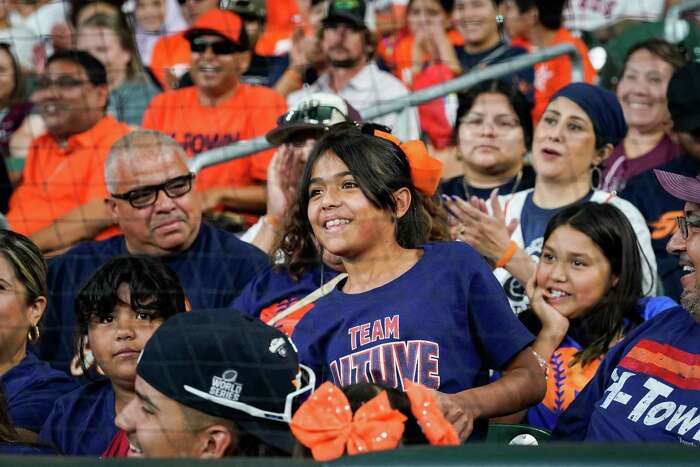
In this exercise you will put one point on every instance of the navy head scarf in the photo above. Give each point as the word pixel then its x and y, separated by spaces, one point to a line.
pixel 601 106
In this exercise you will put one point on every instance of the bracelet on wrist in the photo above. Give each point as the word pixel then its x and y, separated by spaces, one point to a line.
pixel 507 255
pixel 272 221
pixel 542 363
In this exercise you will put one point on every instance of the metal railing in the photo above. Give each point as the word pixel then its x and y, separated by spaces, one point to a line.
pixel 245 148
pixel 676 29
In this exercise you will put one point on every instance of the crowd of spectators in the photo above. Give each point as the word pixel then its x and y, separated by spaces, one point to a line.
pixel 519 252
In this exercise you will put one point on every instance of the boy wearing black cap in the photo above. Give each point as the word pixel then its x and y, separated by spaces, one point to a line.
pixel 213 384
pixel 658 207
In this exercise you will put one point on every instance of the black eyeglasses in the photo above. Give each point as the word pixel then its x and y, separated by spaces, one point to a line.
pixel 146 196
pixel 684 225
pixel 221 47
pixel 63 82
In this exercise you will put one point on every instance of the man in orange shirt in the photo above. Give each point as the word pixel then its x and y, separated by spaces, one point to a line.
pixel 171 54
pixel 540 24
pixel 60 200
pixel 220 110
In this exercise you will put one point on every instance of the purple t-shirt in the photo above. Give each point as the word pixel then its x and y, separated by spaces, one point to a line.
pixel 82 422
pixel 617 168
pixel 444 323
pixel 646 390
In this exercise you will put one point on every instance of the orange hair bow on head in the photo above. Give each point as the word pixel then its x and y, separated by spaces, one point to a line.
pixel 325 424
pixel 425 169
pixel 426 409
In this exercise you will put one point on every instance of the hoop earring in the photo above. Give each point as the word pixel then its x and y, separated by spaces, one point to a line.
pixel 596 178
pixel 33 334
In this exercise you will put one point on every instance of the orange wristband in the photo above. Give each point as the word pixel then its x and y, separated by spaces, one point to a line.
pixel 507 255
pixel 271 220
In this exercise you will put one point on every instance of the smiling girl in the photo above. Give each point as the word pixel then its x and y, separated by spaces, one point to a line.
pixel 586 294
pixel 578 130
pixel 117 311
pixel 430 313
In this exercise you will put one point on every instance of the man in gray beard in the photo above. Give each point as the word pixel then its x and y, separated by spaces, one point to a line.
pixel 647 389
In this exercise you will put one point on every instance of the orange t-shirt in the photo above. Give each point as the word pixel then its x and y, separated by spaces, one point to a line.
pixel 554 74
pixel 59 178
pixel 250 112
pixel 170 51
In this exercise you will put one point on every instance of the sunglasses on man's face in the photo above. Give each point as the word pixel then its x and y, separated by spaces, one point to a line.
pixel 220 47
pixel 62 82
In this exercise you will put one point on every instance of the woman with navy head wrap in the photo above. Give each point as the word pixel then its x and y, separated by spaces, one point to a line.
pixel 578 130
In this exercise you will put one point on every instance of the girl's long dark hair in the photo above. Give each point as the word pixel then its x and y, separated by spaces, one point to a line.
pixel 616 312
pixel 380 168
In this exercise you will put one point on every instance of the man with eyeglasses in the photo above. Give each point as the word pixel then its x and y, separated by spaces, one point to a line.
pixel 220 110
pixel 352 74
pixel 658 207
pixel 151 198
pixel 234 398
pixel 59 201
pixel 647 388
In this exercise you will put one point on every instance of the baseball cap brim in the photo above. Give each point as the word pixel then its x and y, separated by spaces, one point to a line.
pixel 279 135
pixel 680 186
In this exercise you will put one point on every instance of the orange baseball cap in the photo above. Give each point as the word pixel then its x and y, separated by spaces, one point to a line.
pixel 222 23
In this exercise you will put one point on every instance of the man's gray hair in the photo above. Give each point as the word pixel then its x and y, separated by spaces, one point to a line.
pixel 130 148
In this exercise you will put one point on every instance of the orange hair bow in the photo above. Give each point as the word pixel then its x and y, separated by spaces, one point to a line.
pixel 326 425
pixel 425 169
pixel 426 409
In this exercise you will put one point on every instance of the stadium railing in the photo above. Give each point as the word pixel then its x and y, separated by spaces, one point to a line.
pixel 247 147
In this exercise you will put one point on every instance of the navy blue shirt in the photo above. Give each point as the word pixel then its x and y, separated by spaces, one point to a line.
pixel 81 423
pixel 213 271
pixel 646 389
pixel 522 80
pixel 660 210
pixel 31 388
pixel 443 324
pixel 274 291
pixel 455 186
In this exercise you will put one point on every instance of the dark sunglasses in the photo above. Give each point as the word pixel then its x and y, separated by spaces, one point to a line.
pixel 63 82
pixel 318 114
pixel 221 47
pixel 146 196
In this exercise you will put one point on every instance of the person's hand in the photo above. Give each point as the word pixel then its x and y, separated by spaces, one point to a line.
pixel 212 198
pixel 460 417
pixel 554 324
pixel 472 224
pixel 283 176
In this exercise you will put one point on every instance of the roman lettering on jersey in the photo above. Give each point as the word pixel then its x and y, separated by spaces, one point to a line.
pixel 375 360
pixel 656 385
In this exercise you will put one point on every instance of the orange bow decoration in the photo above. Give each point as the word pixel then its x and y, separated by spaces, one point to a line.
pixel 326 425
pixel 425 169
pixel 426 409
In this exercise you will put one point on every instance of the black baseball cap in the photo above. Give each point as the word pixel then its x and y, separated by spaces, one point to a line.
pixel 683 96
pixel 346 11
pixel 229 365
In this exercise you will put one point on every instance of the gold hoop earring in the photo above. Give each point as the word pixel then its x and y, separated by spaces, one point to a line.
pixel 33 334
